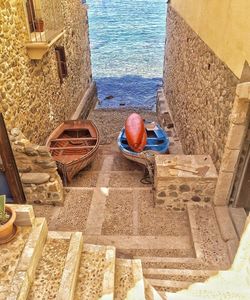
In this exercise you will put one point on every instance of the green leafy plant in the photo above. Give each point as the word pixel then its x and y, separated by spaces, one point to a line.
pixel 3 215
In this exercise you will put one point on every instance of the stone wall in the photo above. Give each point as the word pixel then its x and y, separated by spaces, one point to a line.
pixel 199 88
pixel 31 96
pixel 184 178
pixel 38 171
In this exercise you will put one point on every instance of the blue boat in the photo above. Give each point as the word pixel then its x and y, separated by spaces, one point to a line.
pixel 157 143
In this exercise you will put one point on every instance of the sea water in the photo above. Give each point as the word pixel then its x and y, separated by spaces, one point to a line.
pixel 127 49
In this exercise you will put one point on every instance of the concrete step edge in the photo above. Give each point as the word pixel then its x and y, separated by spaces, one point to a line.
pixel 150 291
pixel 31 254
pixel 185 273
pixel 108 284
pixel 185 260
pixel 70 273
pixel 238 216
pixel 167 284
pixel 134 267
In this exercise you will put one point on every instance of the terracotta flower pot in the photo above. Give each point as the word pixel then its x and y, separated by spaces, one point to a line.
pixel 7 230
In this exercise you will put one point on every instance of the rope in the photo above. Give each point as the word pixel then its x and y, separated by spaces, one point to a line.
pixel 149 157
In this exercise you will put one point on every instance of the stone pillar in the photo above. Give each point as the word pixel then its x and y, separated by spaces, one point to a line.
pixel 239 120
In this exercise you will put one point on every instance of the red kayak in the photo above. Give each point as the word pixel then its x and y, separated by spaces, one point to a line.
pixel 135 132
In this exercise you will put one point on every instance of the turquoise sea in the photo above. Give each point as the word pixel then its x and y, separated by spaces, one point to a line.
pixel 127 50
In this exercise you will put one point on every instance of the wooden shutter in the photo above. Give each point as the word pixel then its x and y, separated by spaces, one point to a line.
pixel 61 62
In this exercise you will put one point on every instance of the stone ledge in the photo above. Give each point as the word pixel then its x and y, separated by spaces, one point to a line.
pixel 70 272
pixel 34 178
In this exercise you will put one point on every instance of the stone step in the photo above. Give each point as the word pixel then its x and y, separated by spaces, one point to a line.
pixel 206 235
pixel 239 217
pixel 178 274
pixel 129 282
pixel 28 260
pixel 50 269
pixel 140 242
pixel 169 285
pixel 227 229
pixel 150 292
pixel 173 263
pixel 71 268
pixel 96 273
pixel 12 251
pixel 130 246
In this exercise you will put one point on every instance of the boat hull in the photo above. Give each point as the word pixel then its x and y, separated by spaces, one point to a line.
pixel 73 145
pixel 157 143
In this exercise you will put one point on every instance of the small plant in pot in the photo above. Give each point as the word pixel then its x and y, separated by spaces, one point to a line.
pixel 7 219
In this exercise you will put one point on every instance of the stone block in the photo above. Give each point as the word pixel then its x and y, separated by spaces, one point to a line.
pixel 239 112
pixel 223 188
pixel 243 91
pixel 225 223
pixel 235 136
pixel 229 160
pixel 24 214
pixel 35 178
pixel 70 273
pixel 184 178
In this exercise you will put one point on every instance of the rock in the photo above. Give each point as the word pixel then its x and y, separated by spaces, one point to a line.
pixel 15 132
pixel 43 151
pixel 109 97
pixel 30 151
pixel 184 188
pixel 35 178
pixel 196 198
pixel 162 194
pixel 24 169
pixel 173 194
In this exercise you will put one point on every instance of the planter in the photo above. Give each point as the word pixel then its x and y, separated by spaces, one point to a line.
pixel 39 25
pixel 8 230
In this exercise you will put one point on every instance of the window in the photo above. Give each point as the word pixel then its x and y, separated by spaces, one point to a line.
pixel 61 63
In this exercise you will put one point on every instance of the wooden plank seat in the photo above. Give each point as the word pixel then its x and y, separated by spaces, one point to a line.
pixel 74 139
pixel 72 148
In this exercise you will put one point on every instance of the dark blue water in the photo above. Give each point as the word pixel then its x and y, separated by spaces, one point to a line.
pixel 127 48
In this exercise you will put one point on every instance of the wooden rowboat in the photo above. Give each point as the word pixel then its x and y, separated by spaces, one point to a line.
pixel 73 145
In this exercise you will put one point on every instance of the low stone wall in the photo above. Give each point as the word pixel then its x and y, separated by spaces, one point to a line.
pixel 184 178
pixel 38 171
pixel 199 88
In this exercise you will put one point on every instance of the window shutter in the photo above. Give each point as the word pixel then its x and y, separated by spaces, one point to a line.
pixel 61 62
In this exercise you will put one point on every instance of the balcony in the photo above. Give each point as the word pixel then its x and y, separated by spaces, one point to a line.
pixel 45 25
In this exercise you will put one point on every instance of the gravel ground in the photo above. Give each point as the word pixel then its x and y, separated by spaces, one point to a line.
pixel 111 121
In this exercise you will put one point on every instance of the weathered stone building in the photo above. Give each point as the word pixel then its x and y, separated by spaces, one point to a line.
pixel 206 75
pixel 45 67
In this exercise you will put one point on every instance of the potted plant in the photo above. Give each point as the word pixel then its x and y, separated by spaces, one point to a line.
pixel 39 25
pixel 7 219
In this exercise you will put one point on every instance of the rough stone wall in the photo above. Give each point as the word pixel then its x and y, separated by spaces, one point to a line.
pixel 31 96
pixel 38 171
pixel 184 178
pixel 199 88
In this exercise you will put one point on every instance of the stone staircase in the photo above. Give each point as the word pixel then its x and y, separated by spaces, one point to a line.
pixel 232 284
pixel 112 208
pixel 59 265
